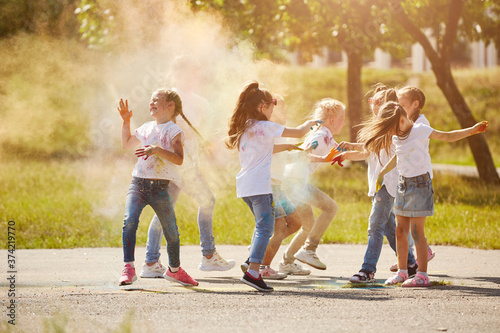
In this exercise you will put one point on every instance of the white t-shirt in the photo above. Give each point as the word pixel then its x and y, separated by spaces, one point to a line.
pixel 374 167
pixel 156 167
pixel 321 143
pixel 413 152
pixel 255 154
pixel 422 120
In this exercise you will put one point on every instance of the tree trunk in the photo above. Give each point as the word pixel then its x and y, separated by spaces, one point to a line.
pixel 354 93
pixel 479 147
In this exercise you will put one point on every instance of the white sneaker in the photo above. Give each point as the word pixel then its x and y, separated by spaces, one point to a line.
pixel 309 257
pixel 216 263
pixel 154 271
pixel 270 274
pixel 293 269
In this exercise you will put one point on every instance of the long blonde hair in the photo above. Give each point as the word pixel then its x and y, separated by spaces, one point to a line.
pixel 246 110
pixel 376 134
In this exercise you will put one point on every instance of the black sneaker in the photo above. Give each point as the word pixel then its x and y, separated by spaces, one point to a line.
pixel 258 284
pixel 412 270
pixel 244 266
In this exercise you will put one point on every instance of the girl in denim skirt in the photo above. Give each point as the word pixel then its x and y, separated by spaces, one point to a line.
pixel 160 153
pixel 382 219
pixel 414 197
pixel 251 132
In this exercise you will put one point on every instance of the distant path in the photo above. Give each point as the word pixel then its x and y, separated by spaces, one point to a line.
pixel 463 170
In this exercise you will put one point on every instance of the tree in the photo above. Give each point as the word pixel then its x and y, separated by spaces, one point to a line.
pixel 358 31
pixel 474 19
pixel 308 27
pixel 42 16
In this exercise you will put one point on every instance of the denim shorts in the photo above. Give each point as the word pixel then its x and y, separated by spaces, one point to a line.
pixel 283 206
pixel 415 196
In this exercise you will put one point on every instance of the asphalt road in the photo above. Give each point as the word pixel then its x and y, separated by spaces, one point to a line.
pixel 76 290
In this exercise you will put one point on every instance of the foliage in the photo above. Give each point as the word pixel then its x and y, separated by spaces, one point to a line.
pixel 95 23
pixel 42 16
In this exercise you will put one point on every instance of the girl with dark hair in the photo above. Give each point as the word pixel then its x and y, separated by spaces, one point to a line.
pixel 251 132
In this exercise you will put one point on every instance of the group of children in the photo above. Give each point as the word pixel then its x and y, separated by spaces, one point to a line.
pixel 394 141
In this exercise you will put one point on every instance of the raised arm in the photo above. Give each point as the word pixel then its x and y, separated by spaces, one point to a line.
pixel 459 134
pixel 176 157
pixel 300 131
pixel 128 140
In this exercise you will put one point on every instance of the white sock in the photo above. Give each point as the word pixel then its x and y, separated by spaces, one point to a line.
pixel 174 270
pixel 422 273
pixel 131 263
pixel 254 274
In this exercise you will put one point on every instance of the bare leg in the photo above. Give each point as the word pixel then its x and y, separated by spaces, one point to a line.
pixel 402 228
pixel 283 227
pixel 417 232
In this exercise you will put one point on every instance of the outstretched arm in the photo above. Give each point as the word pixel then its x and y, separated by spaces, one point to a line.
pixel 343 146
pixel 279 147
pixel 459 134
pixel 128 140
pixel 300 131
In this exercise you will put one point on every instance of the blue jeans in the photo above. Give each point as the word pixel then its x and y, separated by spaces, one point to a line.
pixel 206 201
pixel 151 192
pixel 381 222
pixel 262 208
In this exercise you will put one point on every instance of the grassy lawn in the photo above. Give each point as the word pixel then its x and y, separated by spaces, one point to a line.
pixel 64 177
pixel 80 204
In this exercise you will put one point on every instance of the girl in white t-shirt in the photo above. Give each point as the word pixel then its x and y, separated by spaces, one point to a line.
pixel 413 101
pixel 251 132
pixel 382 219
pixel 160 153
pixel 414 198
pixel 304 195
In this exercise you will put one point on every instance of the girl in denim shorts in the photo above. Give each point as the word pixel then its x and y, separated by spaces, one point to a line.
pixel 414 197
pixel 251 132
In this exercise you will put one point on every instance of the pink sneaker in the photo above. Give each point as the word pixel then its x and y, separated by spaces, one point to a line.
pixel 128 275
pixel 181 277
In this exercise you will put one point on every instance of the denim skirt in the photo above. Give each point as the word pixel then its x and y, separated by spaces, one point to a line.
pixel 415 196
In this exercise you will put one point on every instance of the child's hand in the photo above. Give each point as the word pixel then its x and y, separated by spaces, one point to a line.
pixel 125 113
pixel 146 151
pixel 312 123
pixel 339 159
pixel 345 146
pixel 480 127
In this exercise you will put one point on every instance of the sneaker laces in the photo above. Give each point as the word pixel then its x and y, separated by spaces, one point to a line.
pixel 127 270
pixel 219 258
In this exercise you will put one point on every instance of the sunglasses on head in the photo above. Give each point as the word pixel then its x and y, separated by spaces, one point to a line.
pixel 273 101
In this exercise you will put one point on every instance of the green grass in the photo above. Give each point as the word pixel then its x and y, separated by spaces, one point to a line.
pixel 74 204
pixel 64 177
